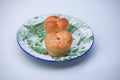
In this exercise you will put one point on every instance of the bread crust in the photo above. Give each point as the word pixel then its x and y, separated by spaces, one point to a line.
pixel 63 23
pixel 57 44
pixel 52 18
pixel 55 24
pixel 51 26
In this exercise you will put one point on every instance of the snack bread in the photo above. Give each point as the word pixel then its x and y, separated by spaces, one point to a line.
pixel 55 24
pixel 58 43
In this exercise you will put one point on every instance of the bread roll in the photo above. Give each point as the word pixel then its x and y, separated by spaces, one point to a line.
pixel 52 18
pixel 51 26
pixel 61 24
pixel 58 44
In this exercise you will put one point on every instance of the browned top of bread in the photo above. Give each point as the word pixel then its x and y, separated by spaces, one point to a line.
pixel 55 24
pixel 62 23
pixel 51 26
pixel 52 18
pixel 60 41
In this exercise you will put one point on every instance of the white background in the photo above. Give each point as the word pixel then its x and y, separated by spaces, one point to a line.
pixel 101 63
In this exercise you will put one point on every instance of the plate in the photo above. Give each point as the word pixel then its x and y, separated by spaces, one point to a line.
pixel 30 38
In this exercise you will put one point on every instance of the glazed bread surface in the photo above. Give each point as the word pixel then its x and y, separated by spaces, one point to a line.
pixel 57 44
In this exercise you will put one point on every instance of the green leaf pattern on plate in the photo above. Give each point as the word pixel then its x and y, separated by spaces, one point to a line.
pixel 31 37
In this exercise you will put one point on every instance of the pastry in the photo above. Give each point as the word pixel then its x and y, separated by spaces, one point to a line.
pixel 55 24
pixel 58 43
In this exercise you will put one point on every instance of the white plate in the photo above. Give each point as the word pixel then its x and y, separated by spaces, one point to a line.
pixel 30 38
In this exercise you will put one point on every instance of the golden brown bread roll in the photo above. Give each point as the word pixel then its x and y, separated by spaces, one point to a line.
pixel 51 26
pixel 52 18
pixel 57 44
pixel 61 24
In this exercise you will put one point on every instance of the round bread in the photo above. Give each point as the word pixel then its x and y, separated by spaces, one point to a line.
pixel 61 24
pixel 52 18
pixel 51 26
pixel 57 44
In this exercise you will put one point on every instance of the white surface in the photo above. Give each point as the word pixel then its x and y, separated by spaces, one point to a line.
pixel 102 61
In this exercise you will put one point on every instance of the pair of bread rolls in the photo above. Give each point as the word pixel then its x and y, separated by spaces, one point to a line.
pixel 58 40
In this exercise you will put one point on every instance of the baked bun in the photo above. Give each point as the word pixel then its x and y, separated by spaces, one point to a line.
pixel 61 24
pixel 51 26
pixel 57 44
pixel 52 18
